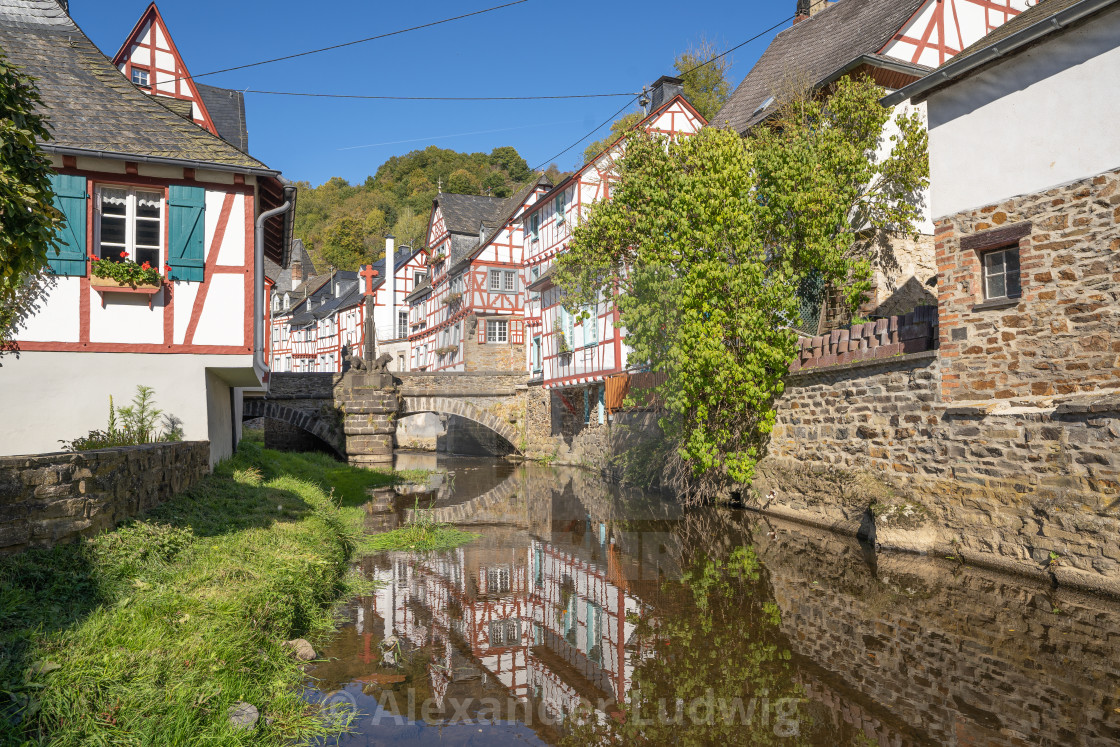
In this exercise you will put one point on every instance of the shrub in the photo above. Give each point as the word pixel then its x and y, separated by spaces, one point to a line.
pixel 138 423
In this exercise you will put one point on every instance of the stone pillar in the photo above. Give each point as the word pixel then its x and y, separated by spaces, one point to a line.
pixel 369 402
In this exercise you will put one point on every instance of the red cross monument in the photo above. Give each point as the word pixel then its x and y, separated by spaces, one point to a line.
pixel 368 273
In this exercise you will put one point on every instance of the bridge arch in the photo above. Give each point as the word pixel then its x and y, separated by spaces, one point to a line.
pixel 414 405
pixel 302 419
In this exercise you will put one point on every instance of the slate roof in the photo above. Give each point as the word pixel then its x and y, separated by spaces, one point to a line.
pixel 424 287
pixel 283 279
pixel 90 105
pixel 510 206
pixel 464 213
pixel 814 49
pixel 227 112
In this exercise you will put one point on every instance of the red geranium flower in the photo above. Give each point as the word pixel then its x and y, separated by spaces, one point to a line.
pixel 146 266
pixel 124 254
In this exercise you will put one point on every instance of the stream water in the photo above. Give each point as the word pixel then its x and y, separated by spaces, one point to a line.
pixel 586 613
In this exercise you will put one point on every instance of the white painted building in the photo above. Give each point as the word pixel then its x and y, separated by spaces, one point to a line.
pixel 136 179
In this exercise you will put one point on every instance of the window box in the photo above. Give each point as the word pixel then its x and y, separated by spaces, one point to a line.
pixel 453 298
pixel 108 285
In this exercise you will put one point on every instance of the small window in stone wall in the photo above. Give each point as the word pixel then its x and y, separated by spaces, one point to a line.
pixel 1001 273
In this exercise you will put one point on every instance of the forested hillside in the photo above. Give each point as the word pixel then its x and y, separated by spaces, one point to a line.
pixel 344 225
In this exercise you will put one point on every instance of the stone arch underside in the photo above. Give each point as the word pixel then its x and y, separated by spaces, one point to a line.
pixel 464 409
pixel 302 419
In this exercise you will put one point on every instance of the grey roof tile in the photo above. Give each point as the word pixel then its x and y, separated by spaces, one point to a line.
pixel 89 104
pixel 227 112
pixel 813 49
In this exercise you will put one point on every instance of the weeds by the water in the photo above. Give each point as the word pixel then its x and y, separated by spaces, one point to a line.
pixel 149 633
pixel 421 534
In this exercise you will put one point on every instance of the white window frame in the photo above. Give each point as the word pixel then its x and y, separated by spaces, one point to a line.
pixel 497 331
pixel 146 82
pixel 494 284
pixel 131 220
pixel 509 281
pixel 402 323
pixel 561 206
pixel 535 227
pixel 418 277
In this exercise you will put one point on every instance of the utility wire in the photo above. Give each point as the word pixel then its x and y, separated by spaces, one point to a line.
pixel 610 119
pixel 438 98
pixel 358 41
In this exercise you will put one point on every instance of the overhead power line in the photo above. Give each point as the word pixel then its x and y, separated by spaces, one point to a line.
pixel 438 98
pixel 611 118
pixel 360 41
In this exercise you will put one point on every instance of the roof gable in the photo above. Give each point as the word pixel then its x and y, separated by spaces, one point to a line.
pixel 89 105
pixel 149 47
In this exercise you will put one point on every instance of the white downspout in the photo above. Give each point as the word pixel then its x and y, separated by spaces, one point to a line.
pixel 260 365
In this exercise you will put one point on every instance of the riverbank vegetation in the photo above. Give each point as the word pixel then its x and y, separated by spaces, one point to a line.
pixel 717 248
pixel 148 634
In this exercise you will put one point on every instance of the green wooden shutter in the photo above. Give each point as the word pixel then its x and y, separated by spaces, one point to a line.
pixel 186 216
pixel 68 255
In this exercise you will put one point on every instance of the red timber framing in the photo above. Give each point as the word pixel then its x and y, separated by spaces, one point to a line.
pixel 143 50
pixel 592 356
pixel 212 269
pixel 946 27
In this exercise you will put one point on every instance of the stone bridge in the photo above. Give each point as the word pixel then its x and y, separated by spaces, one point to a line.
pixel 356 414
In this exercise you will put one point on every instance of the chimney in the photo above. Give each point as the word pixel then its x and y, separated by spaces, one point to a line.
pixel 297 263
pixel 664 89
pixel 806 9
pixel 391 281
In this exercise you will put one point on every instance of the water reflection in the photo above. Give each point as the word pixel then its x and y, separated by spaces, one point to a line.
pixel 704 628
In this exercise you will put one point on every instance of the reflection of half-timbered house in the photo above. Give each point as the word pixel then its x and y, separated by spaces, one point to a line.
pixel 137 180
pixel 569 356
pixel 471 319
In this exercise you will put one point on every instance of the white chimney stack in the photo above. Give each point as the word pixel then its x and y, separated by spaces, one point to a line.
pixel 391 281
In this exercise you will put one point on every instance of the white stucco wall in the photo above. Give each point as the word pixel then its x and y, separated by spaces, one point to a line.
pixel 50 396
pixel 1038 119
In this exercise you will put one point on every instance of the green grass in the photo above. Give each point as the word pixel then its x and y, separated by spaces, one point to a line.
pixel 147 634
pixel 420 536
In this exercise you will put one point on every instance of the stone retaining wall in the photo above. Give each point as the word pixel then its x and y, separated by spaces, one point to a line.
pixel 46 499
pixel 869 448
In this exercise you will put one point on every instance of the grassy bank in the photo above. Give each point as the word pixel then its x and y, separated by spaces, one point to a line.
pixel 148 634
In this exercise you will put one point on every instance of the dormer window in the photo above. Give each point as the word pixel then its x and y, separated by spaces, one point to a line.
pixel 140 77
pixel 287 302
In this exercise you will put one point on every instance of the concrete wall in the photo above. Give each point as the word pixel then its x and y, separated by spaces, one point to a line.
pixel 52 396
pixel 1062 335
pixel 1038 119
pixel 50 498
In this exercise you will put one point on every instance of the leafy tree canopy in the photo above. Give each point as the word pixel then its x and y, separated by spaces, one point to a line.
pixel 710 238
pixel 397 199
pixel 707 87
pixel 28 219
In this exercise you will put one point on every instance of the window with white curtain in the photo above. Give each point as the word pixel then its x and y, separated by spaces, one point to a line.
pixel 130 223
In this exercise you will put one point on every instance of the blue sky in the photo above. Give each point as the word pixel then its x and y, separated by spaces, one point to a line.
pixel 535 48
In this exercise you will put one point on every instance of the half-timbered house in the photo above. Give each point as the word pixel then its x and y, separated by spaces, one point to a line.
pixel 569 356
pixel 323 319
pixel 137 181
pixel 473 311
pixel 895 42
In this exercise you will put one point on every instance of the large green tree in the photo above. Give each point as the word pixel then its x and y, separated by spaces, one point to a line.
pixel 28 220
pixel 708 240
pixel 344 245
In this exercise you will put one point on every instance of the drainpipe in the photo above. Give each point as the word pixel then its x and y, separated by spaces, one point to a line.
pixel 260 366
